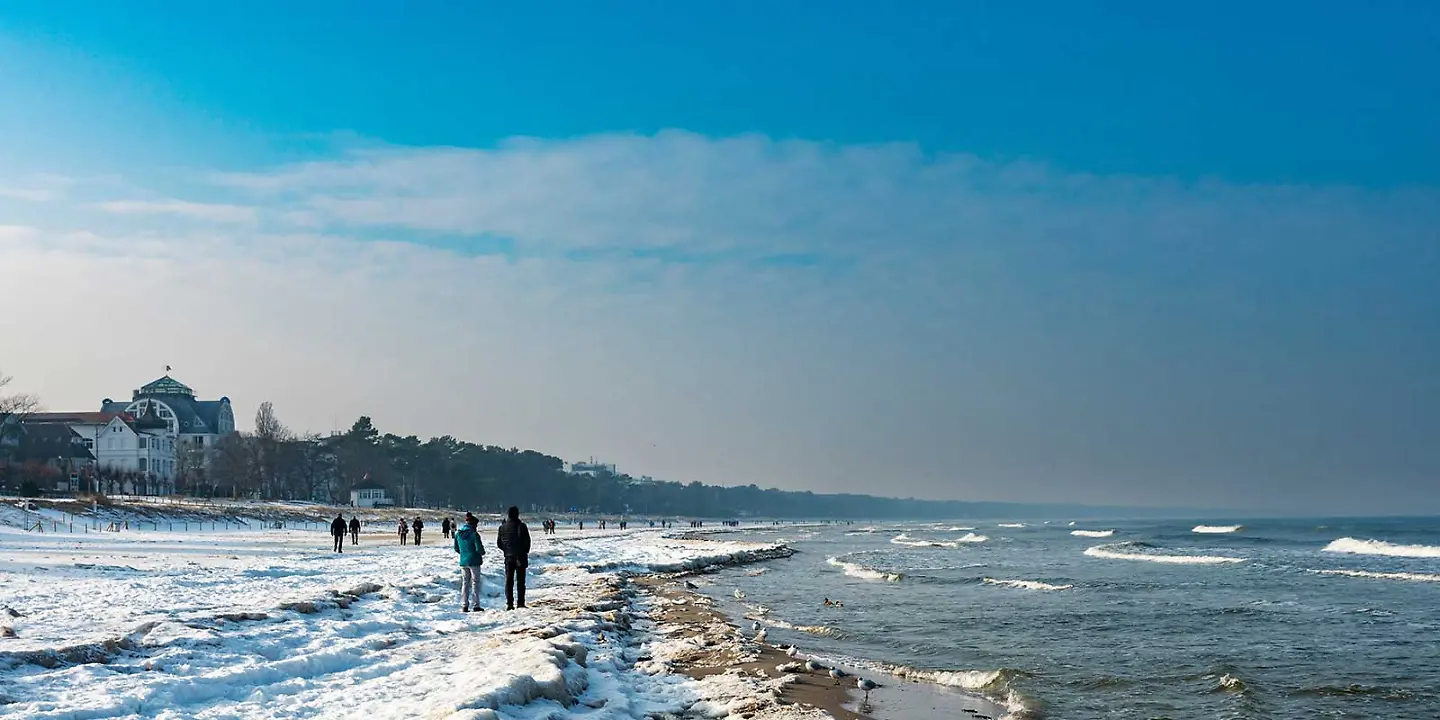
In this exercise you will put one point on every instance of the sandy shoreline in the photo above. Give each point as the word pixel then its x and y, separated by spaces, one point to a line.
pixel 717 641
pixel 716 646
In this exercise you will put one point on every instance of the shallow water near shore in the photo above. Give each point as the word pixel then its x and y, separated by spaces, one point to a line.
pixel 1207 617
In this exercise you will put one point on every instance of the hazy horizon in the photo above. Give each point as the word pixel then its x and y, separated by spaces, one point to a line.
pixel 1129 257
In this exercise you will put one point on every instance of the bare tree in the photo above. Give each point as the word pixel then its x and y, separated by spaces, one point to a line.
pixel 14 408
pixel 189 466
pixel 233 463
pixel 268 445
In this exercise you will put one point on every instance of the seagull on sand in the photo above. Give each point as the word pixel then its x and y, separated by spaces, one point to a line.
pixel 866 686
pixel 792 651
pixel 760 636
pixel 836 674
pixel 812 666
pixel 755 626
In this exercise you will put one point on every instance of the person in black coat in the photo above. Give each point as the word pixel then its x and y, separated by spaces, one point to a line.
pixel 445 527
pixel 417 526
pixel 337 530
pixel 355 530
pixel 513 539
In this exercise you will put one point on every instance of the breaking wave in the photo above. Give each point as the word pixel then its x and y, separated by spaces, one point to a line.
pixel 1026 584
pixel 960 528
pixel 1216 529
pixel 1126 551
pixel 1011 525
pixel 1092 533
pixel 1413 577
pixel 1380 547
pixel 864 573
pixel 969 537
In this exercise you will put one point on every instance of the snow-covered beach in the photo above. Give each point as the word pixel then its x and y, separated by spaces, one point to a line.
pixel 269 623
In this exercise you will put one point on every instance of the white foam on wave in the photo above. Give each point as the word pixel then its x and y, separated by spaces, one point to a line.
pixel 971 538
pixel 1412 577
pixel 1216 529
pixel 903 539
pixel 1026 584
pixel 864 573
pixel 1380 547
pixel 1092 533
pixel 1110 552
pixel 1012 525
pixel 960 528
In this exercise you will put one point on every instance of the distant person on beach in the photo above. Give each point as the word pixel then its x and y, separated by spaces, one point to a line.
pixel 337 531
pixel 355 530
pixel 404 531
pixel 513 539
pixel 445 527
pixel 472 554
pixel 418 525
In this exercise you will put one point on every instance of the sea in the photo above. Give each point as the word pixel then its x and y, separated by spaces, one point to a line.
pixel 1195 618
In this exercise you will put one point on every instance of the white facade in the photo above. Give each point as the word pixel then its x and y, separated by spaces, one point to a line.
pixel 592 468
pixel 370 497
pixel 119 447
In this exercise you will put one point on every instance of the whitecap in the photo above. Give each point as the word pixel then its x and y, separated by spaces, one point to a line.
pixel 960 528
pixel 1092 533
pixel 1111 552
pixel 903 539
pixel 1026 584
pixel 1216 529
pixel 1412 577
pixel 1380 547
pixel 864 573
pixel 1012 525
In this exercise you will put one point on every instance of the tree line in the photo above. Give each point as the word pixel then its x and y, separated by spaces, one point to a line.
pixel 271 462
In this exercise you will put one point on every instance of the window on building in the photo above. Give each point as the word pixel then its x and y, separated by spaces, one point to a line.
pixel 89 444
pixel 142 465
pixel 142 443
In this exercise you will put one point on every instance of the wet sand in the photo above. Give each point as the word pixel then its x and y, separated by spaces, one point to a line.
pixel 690 616
pixel 718 645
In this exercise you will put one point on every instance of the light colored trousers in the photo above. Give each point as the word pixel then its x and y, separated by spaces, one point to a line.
pixel 470 578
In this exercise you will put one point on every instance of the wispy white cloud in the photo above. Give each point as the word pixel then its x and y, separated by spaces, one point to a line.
pixel 1038 324
pixel 18 232
pixel 211 212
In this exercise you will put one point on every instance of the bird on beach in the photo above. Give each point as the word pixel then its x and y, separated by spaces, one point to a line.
pixel 866 685
pixel 836 674
pixel 812 666
pixel 760 636
pixel 755 626
pixel 691 586
pixel 739 594
pixel 792 651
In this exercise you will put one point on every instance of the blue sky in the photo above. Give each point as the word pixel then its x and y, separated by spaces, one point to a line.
pixel 1104 252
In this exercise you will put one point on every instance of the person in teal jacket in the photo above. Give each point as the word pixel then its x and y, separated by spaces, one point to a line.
pixel 472 553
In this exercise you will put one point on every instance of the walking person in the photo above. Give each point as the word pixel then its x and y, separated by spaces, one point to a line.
pixel 445 527
pixel 355 530
pixel 404 531
pixel 418 526
pixel 472 554
pixel 513 539
pixel 337 531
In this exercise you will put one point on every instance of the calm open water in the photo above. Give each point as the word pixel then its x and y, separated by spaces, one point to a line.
pixel 1314 618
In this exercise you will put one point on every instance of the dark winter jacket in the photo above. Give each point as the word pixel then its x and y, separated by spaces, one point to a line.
pixel 513 538
pixel 354 524
pixel 467 543
pixel 337 527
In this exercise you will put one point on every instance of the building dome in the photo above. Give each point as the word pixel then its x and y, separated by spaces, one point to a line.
pixel 166 386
